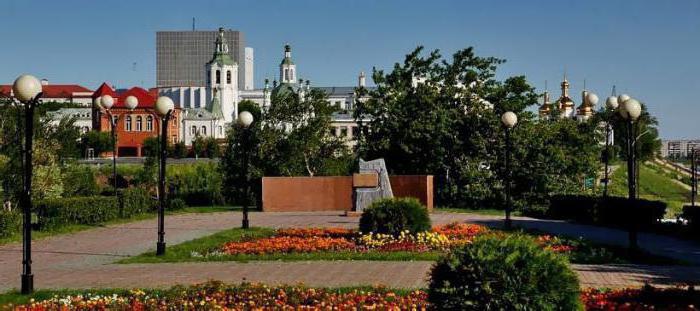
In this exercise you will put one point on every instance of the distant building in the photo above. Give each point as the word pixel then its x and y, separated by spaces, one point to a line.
pixel 565 107
pixel 133 126
pixel 181 55
pixel 81 116
pixel 61 93
pixel 679 148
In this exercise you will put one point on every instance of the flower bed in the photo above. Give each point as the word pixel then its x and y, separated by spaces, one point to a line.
pixel 646 298
pixel 307 240
pixel 217 296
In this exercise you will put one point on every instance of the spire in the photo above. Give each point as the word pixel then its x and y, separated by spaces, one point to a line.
pixel 221 51
pixel 215 106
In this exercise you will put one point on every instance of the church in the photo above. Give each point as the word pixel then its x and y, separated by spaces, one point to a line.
pixel 208 110
pixel 565 108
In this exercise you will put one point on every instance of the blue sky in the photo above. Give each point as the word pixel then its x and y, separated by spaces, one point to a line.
pixel 649 49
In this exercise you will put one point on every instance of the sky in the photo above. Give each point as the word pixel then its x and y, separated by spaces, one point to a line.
pixel 649 49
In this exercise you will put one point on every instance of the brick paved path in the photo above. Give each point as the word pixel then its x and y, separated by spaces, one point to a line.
pixel 84 259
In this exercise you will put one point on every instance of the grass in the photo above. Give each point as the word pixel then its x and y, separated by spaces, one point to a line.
pixel 73 228
pixel 653 185
pixel 182 252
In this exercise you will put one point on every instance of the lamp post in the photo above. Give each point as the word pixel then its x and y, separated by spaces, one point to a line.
pixel 509 120
pixel 27 89
pixel 630 110
pixel 611 104
pixel 245 119
pixel 164 109
pixel 106 102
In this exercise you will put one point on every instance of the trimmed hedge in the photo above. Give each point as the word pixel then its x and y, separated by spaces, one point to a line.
pixel 91 210
pixel 10 223
pixel 692 214
pixel 394 215
pixel 503 272
pixel 612 211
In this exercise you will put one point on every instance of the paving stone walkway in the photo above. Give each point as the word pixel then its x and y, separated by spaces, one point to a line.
pixel 85 259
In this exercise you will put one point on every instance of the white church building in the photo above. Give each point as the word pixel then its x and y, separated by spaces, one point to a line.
pixel 208 110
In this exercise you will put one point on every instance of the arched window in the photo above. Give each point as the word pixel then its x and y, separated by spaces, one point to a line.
pixel 286 74
pixel 228 76
pixel 139 126
pixel 204 130
pixel 127 123
pixel 149 124
pixel 218 76
pixel 221 130
pixel 194 130
pixel 291 74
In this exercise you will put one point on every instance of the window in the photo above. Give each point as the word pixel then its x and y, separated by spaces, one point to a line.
pixel 291 74
pixel 344 132
pixel 332 131
pixel 228 76
pixel 139 126
pixel 149 124
pixel 355 131
pixel 218 76
pixel 204 130
pixel 221 130
pixel 194 130
pixel 127 124
pixel 286 74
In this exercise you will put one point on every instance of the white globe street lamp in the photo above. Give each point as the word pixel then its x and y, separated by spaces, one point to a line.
pixel 131 102
pixel 509 120
pixel 245 119
pixel 164 108
pixel 27 89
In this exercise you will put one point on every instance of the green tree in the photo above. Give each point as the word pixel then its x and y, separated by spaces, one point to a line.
pixel 98 141
pixel 211 148
pixel 199 146
pixel 436 116
pixel 179 150
pixel 250 106
pixel 294 140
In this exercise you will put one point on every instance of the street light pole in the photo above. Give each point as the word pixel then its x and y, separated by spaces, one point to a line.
pixel 27 89
pixel 509 120
pixel 164 108
pixel 630 110
pixel 611 104
pixel 694 176
pixel 245 119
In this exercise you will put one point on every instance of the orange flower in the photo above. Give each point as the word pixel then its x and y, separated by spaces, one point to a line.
pixel 286 244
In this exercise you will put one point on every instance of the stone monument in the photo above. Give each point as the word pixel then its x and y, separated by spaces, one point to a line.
pixel 363 197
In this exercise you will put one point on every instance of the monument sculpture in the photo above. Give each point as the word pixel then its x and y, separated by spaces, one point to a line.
pixel 367 192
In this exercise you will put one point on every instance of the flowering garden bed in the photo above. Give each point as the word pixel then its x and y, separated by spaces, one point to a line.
pixel 216 295
pixel 346 244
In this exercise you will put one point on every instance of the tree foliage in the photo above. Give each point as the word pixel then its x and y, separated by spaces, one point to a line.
pixel 438 116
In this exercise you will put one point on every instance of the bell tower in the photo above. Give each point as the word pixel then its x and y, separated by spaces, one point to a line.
pixel 288 70
pixel 222 81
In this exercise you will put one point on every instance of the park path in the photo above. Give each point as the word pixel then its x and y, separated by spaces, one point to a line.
pixel 85 259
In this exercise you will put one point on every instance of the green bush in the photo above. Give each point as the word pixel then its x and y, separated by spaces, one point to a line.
pixel 91 210
pixel 79 180
pixel 692 214
pixel 177 204
pixel 613 211
pixel 10 223
pixel 498 272
pixel 392 216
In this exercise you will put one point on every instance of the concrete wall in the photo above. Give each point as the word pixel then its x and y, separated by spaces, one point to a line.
pixel 334 193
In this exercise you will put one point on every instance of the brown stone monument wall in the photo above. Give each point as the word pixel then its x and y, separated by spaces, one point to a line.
pixel 416 186
pixel 334 193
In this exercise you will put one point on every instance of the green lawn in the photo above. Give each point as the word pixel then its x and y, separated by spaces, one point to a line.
pixel 654 184
pixel 41 234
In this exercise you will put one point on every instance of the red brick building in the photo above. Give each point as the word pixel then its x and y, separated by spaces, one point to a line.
pixel 133 127
pixel 61 93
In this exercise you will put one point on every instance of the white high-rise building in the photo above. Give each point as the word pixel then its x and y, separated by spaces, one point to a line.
pixel 249 69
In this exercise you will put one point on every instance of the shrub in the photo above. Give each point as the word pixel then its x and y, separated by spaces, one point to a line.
pixel 92 210
pixel 392 216
pixel 177 204
pixel 79 181
pixel 613 211
pixel 498 272
pixel 692 214
pixel 10 223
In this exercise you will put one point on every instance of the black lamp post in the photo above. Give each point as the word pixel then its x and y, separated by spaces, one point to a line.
pixel 611 104
pixel 630 110
pixel 27 89
pixel 509 120
pixel 106 102
pixel 245 119
pixel 164 109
